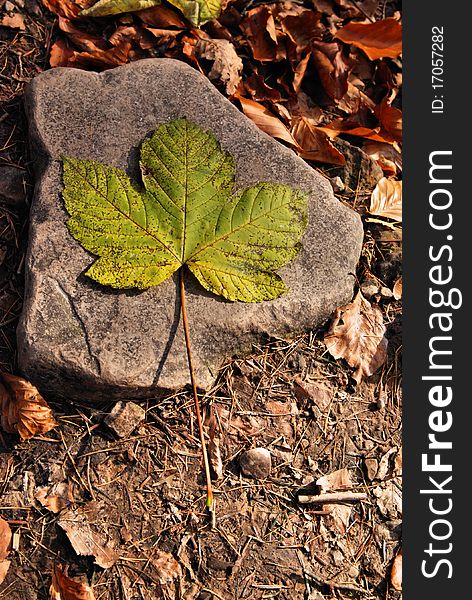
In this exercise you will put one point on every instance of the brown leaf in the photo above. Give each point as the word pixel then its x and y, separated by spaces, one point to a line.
pixel 396 573
pixel 55 497
pixel 5 539
pixel 22 408
pixel 214 451
pixel 5 545
pixel 357 334
pixel 388 156
pixel 398 288
pixel 66 8
pixel 377 40
pixel 335 481
pixel 314 143
pixel 16 21
pixel 259 28
pixel 166 567
pixel 301 25
pixel 266 120
pixel 256 85
pixel 162 17
pixel 390 118
pixel 65 588
pixel 332 68
pixel 386 199
pixel 101 59
pixel 83 538
pixel 227 65
pixel 60 54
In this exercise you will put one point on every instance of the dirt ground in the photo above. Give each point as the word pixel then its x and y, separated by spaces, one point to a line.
pixel 140 499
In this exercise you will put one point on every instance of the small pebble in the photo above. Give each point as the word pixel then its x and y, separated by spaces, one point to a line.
pixel 386 293
pixel 124 418
pixel 256 463
pixel 369 289
pixel 337 184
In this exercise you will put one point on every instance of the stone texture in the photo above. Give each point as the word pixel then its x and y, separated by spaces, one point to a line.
pixel 80 340
pixel 256 463
pixel 361 172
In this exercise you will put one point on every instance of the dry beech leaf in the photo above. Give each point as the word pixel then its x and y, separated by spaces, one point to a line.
pixel 386 199
pixel 332 69
pixel 259 28
pixel 339 514
pixel 266 121
pixel 5 544
pixel 22 408
pixel 314 142
pixel 396 573
pixel 227 65
pixel 16 21
pixel 357 334
pixel 336 481
pixel 65 588
pixel 398 289
pixel 55 497
pixel 388 156
pixel 84 540
pixel 390 118
pixel 378 40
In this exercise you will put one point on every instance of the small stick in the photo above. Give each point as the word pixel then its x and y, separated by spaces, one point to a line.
pixel 334 497
pixel 209 499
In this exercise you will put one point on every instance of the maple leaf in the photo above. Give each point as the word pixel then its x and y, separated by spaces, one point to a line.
pixel 185 215
pixel 357 334
pixel 65 588
pixel 22 408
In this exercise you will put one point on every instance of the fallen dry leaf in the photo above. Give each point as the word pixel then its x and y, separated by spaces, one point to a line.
pixel 390 118
pixel 55 497
pixel 339 514
pixel 332 68
pixel 5 545
pixel 84 540
pixel 387 156
pixel 65 8
pixel 16 21
pixel 398 288
pixel 357 334
pixel 65 588
pixel 378 40
pixel 336 481
pixel 162 16
pixel 166 567
pixel 266 120
pixel 386 199
pixel 259 28
pixel 396 573
pixel 227 66
pixel 314 142
pixel 22 408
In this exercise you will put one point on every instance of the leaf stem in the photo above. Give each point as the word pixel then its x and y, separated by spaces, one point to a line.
pixel 209 499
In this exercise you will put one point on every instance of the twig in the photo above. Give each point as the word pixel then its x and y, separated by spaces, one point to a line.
pixel 334 497
pixel 209 499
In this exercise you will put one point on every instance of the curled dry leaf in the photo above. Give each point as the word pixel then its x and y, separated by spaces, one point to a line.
pixel 16 21
pixel 388 156
pixel 396 573
pixel 391 119
pixel 65 588
pixel 378 40
pixel 336 481
pixel 5 545
pixel 83 538
pixel 314 142
pixel 55 497
pixel 266 120
pixel 386 199
pixel 398 288
pixel 259 28
pixel 22 408
pixel 357 334
pixel 227 65
pixel 332 69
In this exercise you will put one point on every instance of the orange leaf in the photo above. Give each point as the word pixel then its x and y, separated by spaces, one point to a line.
pixel 65 588
pixel 390 118
pixel 22 408
pixel 386 199
pixel 398 288
pixel 314 143
pixel 357 334
pixel 266 121
pixel 377 40
pixel 5 543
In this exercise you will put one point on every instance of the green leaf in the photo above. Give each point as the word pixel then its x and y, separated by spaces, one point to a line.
pixel 104 8
pixel 185 215
pixel 198 12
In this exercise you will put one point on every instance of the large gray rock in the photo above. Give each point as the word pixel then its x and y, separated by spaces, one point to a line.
pixel 78 339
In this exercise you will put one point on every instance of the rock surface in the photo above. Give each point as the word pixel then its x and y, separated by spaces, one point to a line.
pixel 80 340
pixel 256 463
